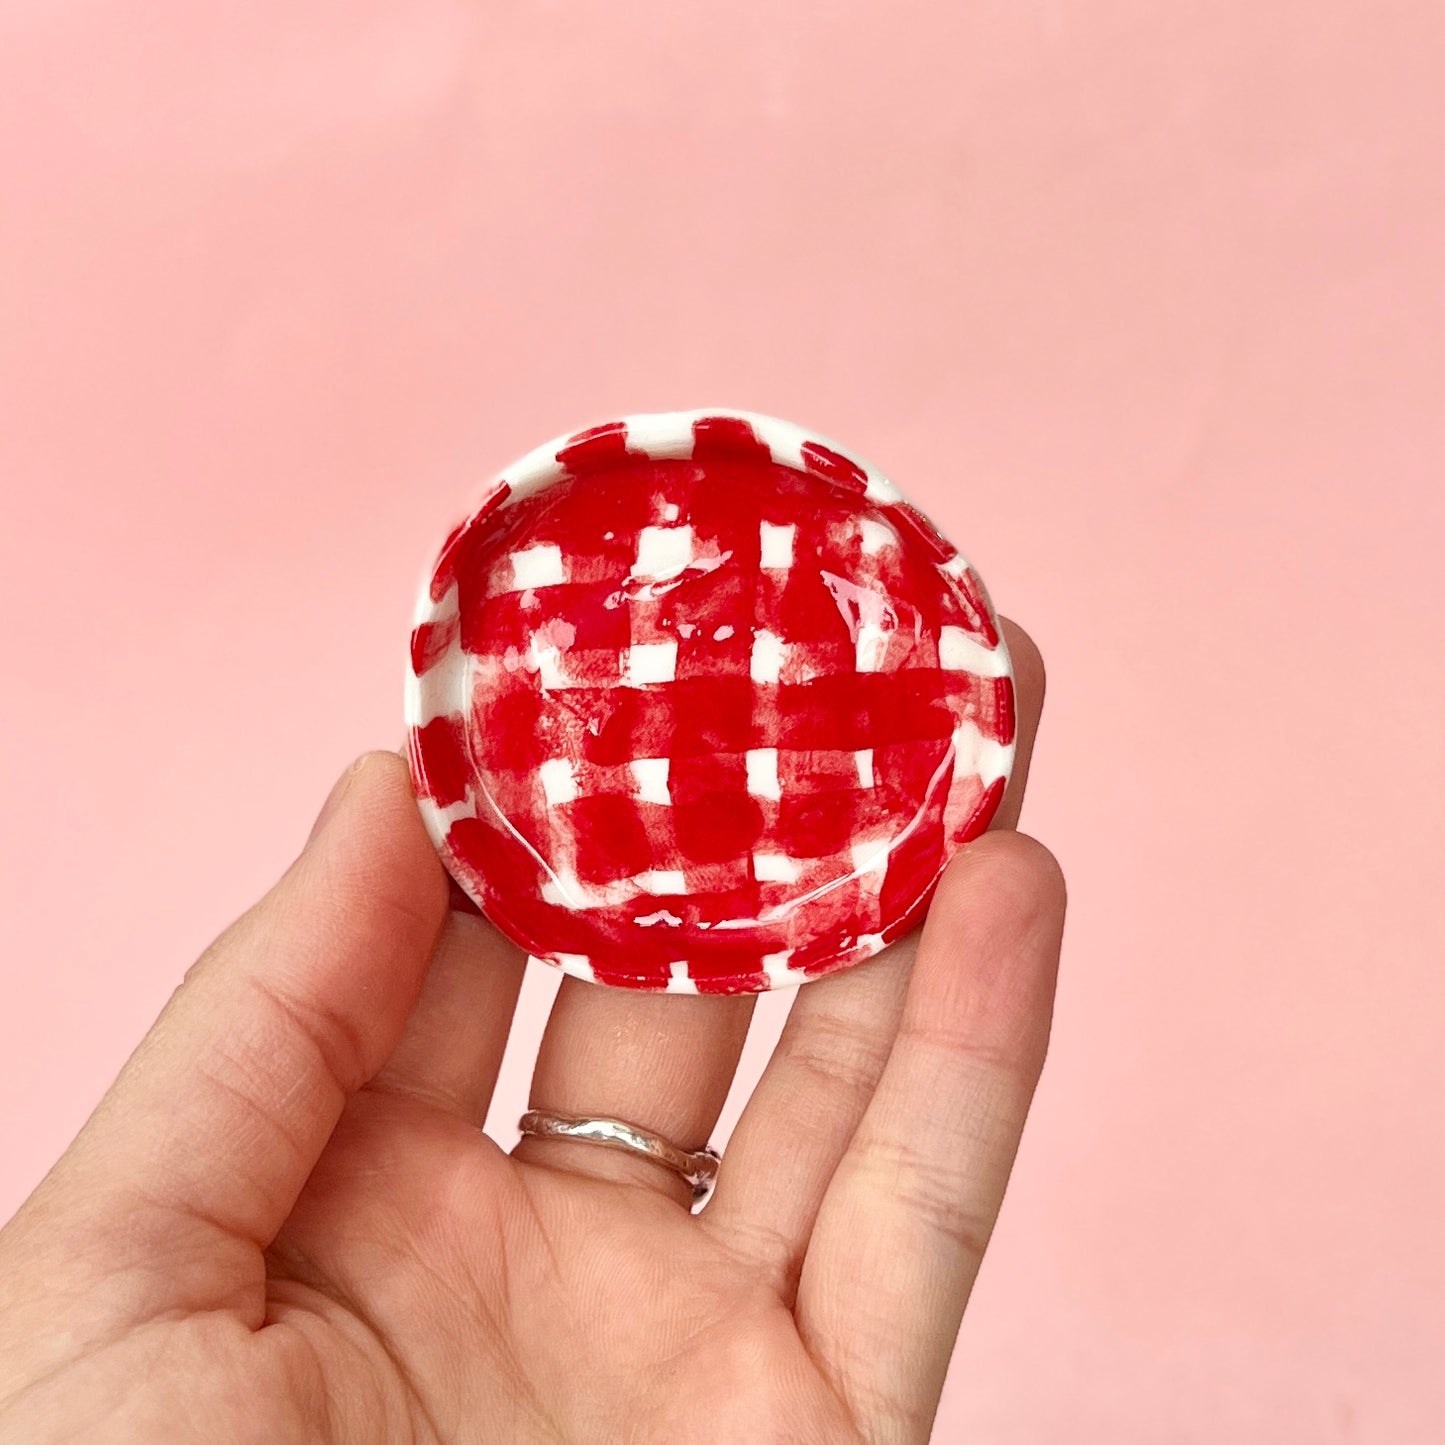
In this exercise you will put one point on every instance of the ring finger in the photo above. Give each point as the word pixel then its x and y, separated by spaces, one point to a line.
pixel 667 1063
pixel 664 1063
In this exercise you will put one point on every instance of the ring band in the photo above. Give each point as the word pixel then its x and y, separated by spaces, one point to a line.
pixel 697 1166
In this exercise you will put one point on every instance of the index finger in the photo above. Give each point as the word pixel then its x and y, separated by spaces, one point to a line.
pixel 222 1112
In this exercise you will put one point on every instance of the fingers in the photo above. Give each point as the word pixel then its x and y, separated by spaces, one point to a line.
pixel 227 1104
pixel 664 1063
pixel 452 1047
pixel 828 1059
pixel 906 1218
pixel 802 1114
pixel 667 1064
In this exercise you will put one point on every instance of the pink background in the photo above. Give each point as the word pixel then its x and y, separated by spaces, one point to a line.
pixel 1144 301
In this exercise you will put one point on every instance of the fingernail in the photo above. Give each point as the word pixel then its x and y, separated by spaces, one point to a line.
pixel 339 790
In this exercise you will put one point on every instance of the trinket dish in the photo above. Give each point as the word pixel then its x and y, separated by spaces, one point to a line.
pixel 698 702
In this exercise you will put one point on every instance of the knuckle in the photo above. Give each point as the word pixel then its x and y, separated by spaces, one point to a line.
pixel 765 1247
pixel 935 1197
pixel 333 1037
pixel 839 1053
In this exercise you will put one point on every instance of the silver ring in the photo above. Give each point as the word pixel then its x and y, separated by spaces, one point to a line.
pixel 697 1166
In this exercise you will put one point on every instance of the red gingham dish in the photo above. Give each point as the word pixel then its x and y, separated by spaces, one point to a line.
pixel 698 702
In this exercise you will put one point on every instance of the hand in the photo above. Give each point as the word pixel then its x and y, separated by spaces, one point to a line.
pixel 284 1222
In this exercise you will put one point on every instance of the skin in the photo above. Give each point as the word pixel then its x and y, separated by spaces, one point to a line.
pixel 285 1223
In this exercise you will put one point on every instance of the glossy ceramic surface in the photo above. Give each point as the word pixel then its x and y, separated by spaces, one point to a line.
pixel 699 702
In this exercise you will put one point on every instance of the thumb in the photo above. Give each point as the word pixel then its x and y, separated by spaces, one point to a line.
pixel 224 1109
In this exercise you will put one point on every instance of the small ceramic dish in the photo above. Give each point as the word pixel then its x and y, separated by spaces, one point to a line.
pixel 699 703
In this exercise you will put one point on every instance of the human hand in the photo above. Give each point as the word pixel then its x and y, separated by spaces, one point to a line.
pixel 284 1222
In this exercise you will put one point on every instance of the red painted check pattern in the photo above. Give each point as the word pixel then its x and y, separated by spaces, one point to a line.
pixel 701 703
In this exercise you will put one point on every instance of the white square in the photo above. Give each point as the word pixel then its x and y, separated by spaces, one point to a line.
pixel 566 891
pixel 775 868
pixel 868 855
pixel 663 880
pixel 778 968
pixel 864 760
pixel 872 647
pixel 876 535
pixel 993 758
pixel 577 963
pixel 559 784
pixel 549 668
pixel 651 662
pixel 539 566
pixel 679 979
pixel 777 545
pixel 762 765
pixel 663 551
pixel 766 663
pixel 651 775
pixel 959 652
